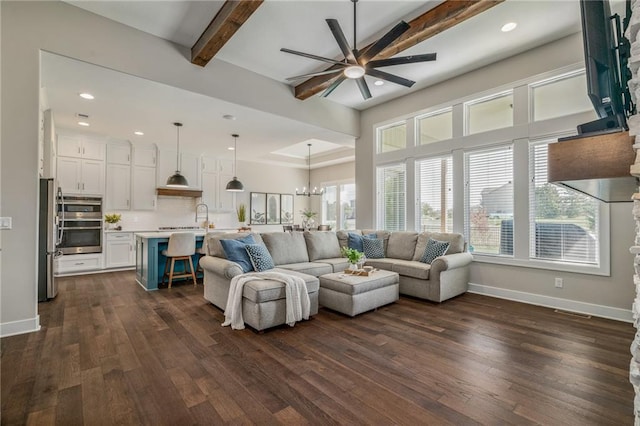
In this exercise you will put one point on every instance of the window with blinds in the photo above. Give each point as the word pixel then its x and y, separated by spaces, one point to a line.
pixel 392 137
pixel 329 206
pixel 348 206
pixel 489 201
pixel 563 223
pixel 434 127
pixel 391 202
pixel 491 113
pixel 434 177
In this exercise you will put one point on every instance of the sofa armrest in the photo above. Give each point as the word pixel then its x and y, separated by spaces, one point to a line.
pixel 451 261
pixel 220 266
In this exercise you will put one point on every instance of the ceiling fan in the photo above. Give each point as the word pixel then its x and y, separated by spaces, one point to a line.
pixel 358 63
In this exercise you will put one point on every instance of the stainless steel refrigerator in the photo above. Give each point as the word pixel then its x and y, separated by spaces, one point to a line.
pixel 47 240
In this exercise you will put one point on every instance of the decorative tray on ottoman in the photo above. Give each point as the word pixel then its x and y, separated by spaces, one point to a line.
pixel 360 272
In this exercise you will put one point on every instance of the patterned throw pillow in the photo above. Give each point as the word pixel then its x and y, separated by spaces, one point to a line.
pixel 434 249
pixel 373 248
pixel 234 249
pixel 260 257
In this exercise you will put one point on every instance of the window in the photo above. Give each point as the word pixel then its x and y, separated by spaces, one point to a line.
pixel 392 197
pixel 489 201
pixel 344 196
pixel 563 223
pixel 434 127
pixel 491 113
pixel 392 137
pixel 560 96
pixel 435 194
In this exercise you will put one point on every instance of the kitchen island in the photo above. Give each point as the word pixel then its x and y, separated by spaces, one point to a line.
pixel 149 259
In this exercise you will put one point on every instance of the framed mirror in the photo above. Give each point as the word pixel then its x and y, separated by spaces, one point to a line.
pixel 258 214
pixel 286 209
pixel 273 209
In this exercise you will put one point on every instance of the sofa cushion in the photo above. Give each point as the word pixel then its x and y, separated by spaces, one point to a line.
pixel 386 264
pixel 456 242
pixel 321 245
pixel 235 251
pixel 373 248
pixel 286 247
pixel 262 290
pixel 410 268
pixel 214 248
pixel 402 245
pixel 434 249
pixel 260 257
pixel 338 264
pixel 312 268
pixel 343 237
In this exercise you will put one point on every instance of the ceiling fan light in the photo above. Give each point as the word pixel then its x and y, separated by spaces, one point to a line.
pixel 355 71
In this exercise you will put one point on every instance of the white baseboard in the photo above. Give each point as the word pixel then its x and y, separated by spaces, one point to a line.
pixel 554 302
pixel 20 327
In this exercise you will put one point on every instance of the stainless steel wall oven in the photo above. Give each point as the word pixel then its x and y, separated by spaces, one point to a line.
pixel 79 224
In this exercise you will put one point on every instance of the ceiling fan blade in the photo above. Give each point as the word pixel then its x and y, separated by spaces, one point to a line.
pixel 310 56
pixel 333 86
pixel 364 89
pixel 400 60
pixel 334 26
pixel 313 74
pixel 383 42
pixel 389 77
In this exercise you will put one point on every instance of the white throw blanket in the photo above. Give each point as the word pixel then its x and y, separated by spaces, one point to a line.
pixel 297 299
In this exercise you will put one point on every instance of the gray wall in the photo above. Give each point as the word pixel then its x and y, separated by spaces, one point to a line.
pixel 611 296
pixel 27 28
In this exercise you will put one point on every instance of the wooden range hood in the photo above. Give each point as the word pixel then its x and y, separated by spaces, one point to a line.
pixel 597 165
pixel 179 192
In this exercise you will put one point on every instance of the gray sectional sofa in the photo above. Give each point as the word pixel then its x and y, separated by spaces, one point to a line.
pixel 313 254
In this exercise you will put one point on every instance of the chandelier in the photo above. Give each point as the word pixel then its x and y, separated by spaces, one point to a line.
pixel 306 190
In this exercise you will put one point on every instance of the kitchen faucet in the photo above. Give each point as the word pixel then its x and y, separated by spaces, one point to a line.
pixel 206 224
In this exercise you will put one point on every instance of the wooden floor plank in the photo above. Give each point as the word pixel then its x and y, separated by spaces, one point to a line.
pixel 111 353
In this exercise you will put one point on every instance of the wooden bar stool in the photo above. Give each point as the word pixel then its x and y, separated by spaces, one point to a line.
pixel 182 245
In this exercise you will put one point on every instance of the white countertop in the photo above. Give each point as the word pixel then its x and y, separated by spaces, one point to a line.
pixel 167 234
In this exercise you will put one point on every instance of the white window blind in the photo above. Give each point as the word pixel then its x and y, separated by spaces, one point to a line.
pixel 329 204
pixel 489 201
pixel 435 194
pixel 563 223
pixel 391 203
pixel 392 137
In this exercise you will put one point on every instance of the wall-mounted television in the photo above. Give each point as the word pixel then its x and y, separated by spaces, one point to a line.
pixel 606 53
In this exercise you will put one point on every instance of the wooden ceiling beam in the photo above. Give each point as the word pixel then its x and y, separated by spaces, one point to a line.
pixel 223 26
pixel 434 21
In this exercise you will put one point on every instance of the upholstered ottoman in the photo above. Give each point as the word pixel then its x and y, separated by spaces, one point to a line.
pixel 353 295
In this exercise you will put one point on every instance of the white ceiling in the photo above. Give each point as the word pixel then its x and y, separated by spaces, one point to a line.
pixel 124 102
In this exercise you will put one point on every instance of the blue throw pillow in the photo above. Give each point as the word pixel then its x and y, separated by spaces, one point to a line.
pixel 235 251
pixel 373 248
pixel 260 257
pixel 434 249
pixel 355 240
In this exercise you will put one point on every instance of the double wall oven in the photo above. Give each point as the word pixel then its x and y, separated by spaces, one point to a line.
pixel 79 224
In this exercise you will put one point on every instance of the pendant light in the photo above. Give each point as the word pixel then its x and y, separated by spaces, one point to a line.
pixel 307 192
pixel 177 180
pixel 234 184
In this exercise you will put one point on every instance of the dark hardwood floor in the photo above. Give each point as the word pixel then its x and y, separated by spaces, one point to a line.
pixel 110 353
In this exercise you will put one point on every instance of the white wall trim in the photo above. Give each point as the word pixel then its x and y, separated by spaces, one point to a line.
pixel 13 328
pixel 601 311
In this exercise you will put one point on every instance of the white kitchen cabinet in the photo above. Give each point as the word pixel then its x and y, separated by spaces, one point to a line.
pixel 80 146
pixel 145 156
pixel 75 263
pixel 77 176
pixel 215 176
pixel 119 153
pixel 119 250
pixel 118 196
pixel 189 168
pixel 143 194
pixel 217 165
pixel 225 166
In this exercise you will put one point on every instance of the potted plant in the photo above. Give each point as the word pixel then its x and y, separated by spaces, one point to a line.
pixel 353 256
pixel 308 218
pixel 113 219
pixel 241 212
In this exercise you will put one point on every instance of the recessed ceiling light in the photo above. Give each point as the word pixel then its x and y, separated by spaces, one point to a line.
pixel 231 148
pixel 229 117
pixel 510 26
pixel 83 123
pixel 379 82
pixel 138 133
pixel 87 96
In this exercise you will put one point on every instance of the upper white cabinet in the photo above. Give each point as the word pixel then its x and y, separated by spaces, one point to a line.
pixel 216 173
pixel 118 195
pixel 145 156
pixel 189 165
pixel 80 146
pixel 119 153
pixel 143 188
